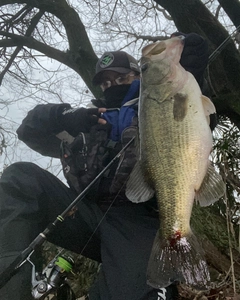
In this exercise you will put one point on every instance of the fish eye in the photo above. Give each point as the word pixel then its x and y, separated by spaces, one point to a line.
pixel 144 67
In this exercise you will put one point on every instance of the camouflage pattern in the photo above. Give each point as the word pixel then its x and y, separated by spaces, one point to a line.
pixel 85 157
pixel 83 161
pixel 127 161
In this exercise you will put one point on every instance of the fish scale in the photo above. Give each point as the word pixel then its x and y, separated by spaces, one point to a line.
pixel 175 142
pixel 173 187
pixel 174 150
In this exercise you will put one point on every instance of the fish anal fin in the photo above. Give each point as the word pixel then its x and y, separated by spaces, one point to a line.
pixel 137 189
pixel 184 262
pixel 211 189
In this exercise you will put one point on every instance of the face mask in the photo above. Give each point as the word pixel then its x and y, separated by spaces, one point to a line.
pixel 115 95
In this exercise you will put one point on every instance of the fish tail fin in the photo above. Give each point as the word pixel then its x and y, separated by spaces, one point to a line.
pixel 179 260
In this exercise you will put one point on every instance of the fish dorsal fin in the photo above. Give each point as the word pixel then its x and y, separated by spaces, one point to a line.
pixel 137 189
pixel 208 107
pixel 211 189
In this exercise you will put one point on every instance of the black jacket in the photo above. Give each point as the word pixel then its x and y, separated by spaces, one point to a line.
pixel 82 157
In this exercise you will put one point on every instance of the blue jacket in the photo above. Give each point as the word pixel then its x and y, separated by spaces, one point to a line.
pixel 122 118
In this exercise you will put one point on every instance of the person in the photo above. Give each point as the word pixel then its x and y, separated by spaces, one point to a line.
pixel 105 226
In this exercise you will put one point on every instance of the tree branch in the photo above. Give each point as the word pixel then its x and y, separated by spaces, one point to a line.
pixel 29 31
pixel 232 9
pixel 80 48
pixel 81 56
pixel 32 43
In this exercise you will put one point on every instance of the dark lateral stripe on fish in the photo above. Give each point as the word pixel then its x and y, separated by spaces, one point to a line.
pixel 180 106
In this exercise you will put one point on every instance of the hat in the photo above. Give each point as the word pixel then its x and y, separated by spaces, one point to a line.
pixel 118 61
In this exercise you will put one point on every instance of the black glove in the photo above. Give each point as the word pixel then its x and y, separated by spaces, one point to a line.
pixel 195 55
pixel 79 120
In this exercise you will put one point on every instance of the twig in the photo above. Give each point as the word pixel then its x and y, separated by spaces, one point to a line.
pixel 29 31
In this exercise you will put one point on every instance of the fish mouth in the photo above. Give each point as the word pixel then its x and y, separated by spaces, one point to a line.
pixel 159 47
pixel 153 49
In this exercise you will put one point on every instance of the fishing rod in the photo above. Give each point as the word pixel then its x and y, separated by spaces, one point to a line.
pixel 23 257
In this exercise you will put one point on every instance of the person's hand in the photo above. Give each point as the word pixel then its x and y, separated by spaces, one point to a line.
pixel 81 119
pixel 195 55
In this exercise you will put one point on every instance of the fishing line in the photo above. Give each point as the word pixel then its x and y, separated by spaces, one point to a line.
pixel 104 215
pixel 217 51
pixel 98 225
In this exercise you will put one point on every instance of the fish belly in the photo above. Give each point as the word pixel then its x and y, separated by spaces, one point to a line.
pixel 175 157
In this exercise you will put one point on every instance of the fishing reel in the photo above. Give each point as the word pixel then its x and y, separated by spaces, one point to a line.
pixel 53 279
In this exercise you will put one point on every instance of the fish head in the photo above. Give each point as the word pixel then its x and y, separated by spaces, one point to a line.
pixel 160 61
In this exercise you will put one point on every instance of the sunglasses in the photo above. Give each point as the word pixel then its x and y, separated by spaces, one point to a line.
pixel 122 79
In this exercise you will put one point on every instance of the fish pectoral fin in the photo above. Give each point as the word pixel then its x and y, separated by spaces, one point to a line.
pixel 211 189
pixel 208 107
pixel 137 189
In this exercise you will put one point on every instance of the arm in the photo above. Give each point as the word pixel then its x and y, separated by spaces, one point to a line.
pixel 41 126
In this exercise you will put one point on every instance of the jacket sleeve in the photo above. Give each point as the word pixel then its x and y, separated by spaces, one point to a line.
pixel 40 127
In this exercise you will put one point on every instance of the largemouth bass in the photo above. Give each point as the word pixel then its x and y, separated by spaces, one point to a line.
pixel 175 142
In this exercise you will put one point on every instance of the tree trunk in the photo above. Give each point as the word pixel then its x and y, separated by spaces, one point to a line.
pixel 212 233
pixel 212 230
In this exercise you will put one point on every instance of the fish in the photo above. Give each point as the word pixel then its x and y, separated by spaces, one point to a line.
pixel 175 142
